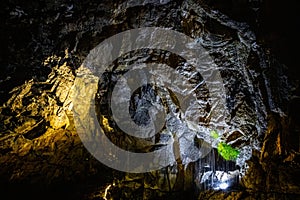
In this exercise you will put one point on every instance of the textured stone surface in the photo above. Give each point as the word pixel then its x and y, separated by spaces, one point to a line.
pixel 41 154
pixel 39 145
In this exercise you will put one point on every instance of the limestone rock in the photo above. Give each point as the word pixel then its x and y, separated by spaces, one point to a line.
pixel 38 142
pixel 47 42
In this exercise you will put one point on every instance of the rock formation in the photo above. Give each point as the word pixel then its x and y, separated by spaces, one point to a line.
pixel 42 155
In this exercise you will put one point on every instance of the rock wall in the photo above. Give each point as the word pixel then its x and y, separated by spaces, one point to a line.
pixel 41 155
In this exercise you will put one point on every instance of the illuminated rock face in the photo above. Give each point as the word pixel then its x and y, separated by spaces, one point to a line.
pixel 39 145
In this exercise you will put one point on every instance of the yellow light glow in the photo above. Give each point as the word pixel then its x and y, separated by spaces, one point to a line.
pixel 106 124
pixel 105 193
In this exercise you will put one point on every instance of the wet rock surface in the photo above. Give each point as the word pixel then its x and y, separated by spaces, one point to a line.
pixel 41 154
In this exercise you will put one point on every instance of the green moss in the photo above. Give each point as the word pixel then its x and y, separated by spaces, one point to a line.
pixel 227 152
pixel 214 134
